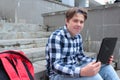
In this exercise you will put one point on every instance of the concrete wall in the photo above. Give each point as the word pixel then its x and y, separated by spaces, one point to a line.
pixel 28 11
pixel 82 3
pixel 7 9
pixel 54 20
pixel 68 2
pixel 103 21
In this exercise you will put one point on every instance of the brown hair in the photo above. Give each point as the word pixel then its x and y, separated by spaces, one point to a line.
pixel 72 11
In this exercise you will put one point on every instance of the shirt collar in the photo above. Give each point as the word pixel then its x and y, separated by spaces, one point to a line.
pixel 67 33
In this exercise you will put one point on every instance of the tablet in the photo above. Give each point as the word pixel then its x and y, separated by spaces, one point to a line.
pixel 106 49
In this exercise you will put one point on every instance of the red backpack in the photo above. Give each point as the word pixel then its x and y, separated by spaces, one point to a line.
pixel 14 65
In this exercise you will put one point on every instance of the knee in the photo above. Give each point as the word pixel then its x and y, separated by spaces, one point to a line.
pixel 107 67
pixel 97 77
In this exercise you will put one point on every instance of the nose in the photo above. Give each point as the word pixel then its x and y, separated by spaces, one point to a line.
pixel 79 24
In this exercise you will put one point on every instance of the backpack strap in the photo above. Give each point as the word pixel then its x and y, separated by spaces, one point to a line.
pixel 27 62
pixel 9 69
pixel 20 54
pixel 21 69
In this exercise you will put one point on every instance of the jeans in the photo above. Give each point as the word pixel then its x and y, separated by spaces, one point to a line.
pixel 106 73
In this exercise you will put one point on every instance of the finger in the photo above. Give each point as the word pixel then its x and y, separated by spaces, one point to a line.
pixel 97 64
pixel 97 69
pixel 112 56
pixel 111 59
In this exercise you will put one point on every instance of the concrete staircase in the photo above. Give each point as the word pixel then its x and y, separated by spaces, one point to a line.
pixel 29 38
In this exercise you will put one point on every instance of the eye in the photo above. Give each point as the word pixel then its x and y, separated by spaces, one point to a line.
pixel 81 22
pixel 78 21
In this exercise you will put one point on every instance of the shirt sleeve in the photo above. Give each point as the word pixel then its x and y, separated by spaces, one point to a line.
pixel 57 58
pixel 81 56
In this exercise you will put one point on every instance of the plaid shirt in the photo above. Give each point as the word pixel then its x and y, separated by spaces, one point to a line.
pixel 64 53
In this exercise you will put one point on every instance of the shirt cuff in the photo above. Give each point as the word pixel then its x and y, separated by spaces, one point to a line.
pixel 77 72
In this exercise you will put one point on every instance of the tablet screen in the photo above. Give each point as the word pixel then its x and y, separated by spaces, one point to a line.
pixel 106 49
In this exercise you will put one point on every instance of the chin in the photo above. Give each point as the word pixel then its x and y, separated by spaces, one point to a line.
pixel 77 33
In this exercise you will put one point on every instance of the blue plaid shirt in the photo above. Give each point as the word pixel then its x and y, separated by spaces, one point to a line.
pixel 64 53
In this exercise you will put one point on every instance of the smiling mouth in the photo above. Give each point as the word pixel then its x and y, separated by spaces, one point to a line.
pixel 77 28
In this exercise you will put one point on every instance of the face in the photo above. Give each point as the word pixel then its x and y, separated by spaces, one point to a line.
pixel 75 24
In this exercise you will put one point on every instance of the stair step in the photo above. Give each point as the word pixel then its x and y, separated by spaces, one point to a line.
pixel 19 27
pixel 40 70
pixel 22 43
pixel 35 54
pixel 23 35
pixel 39 66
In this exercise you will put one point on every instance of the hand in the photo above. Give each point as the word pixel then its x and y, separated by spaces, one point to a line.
pixel 91 69
pixel 110 59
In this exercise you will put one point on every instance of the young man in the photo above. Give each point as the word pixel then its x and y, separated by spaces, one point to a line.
pixel 65 56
